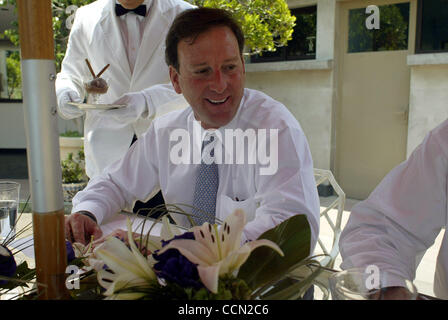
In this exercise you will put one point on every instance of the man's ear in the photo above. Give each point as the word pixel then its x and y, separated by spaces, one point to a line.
pixel 244 66
pixel 174 76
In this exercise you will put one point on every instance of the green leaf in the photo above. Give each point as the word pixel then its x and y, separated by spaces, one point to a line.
pixel 266 24
pixel 264 265
pixel 291 287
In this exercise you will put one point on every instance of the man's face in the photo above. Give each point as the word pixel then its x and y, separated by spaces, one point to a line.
pixel 130 4
pixel 211 76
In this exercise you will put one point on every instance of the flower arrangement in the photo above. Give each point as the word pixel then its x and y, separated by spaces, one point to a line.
pixel 206 262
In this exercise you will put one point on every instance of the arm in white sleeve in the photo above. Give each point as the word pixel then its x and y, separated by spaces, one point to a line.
pixel 134 177
pixel 288 187
pixel 72 72
pixel 161 99
pixel 402 217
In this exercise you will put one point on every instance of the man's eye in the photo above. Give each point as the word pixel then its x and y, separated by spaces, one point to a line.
pixel 230 67
pixel 202 71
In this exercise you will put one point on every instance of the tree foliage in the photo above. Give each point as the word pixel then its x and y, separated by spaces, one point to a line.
pixel 266 24
pixel 14 75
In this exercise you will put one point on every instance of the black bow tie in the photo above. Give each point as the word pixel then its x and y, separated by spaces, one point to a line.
pixel 120 10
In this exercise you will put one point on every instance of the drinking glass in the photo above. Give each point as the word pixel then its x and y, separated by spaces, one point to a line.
pixel 365 284
pixel 9 201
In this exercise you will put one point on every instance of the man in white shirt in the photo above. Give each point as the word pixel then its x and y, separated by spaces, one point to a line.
pixel 129 35
pixel 402 217
pixel 270 180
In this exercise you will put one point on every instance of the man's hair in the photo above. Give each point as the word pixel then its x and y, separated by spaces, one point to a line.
pixel 191 23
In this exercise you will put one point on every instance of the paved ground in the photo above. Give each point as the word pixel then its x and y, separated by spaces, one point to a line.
pixel 425 271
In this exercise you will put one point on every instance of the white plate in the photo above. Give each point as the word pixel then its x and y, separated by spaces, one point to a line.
pixel 85 106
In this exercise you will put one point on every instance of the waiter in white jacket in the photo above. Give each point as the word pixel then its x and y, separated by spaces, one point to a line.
pixel 402 217
pixel 132 42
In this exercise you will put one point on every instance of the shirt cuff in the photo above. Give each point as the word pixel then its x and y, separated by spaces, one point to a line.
pixel 89 214
pixel 90 207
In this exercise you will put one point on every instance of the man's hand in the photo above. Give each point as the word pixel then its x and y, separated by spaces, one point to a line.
pixel 80 228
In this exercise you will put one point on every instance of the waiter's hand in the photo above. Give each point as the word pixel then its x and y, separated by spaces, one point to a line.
pixel 81 228
pixel 135 108
pixel 67 109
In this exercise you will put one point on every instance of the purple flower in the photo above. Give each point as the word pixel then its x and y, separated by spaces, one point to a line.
pixel 8 264
pixel 174 267
pixel 70 252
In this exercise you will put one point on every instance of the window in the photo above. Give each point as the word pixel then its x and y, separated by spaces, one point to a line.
pixel 391 35
pixel 432 26
pixel 10 75
pixel 303 43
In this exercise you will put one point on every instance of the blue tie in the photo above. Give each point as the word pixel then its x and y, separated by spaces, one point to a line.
pixel 207 181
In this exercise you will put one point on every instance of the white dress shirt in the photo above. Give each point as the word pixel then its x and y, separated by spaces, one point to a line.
pixel 402 217
pixel 267 199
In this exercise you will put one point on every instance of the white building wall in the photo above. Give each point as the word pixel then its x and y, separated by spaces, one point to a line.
pixel 12 126
pixel 428 102
pixel 306 88
pixel 308 95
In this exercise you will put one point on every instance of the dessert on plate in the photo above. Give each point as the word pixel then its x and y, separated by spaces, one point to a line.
pixel 97 85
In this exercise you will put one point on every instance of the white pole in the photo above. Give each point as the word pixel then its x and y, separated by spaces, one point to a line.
pixel 39 99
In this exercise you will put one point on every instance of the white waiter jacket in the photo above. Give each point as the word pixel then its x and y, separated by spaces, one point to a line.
pixel 96 35
pixel 402 217
pixel 268 199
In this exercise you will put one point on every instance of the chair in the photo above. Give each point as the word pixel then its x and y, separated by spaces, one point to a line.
pixel 334 222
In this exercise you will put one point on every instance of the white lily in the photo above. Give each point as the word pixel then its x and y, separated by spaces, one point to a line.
pixel 218 252
pixel 129 268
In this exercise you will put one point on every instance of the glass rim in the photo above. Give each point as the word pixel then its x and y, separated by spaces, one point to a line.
pixel 9 185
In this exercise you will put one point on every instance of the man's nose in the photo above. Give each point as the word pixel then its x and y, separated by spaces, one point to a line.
pixel 219 82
